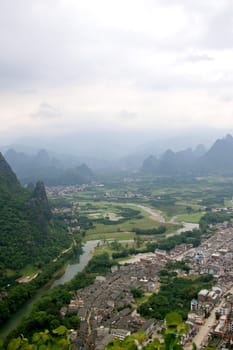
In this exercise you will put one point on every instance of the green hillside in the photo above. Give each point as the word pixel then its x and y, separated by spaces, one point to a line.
pixel 28 235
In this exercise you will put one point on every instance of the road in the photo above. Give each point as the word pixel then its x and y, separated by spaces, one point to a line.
pixel 202 336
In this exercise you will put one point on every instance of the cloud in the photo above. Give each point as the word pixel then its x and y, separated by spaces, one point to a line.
pixel 46 111
pixel 195 58
pixel 125 115
pixel 219 30
pixel 88 58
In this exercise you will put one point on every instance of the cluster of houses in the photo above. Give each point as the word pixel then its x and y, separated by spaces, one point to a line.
pixel 65 190
pixel 202 306
pixel 214 256
pixel 105 307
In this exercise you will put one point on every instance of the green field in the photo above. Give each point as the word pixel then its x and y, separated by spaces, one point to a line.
pixel 180 199
pixel 109 235
pixel 28 270
pixel 193 218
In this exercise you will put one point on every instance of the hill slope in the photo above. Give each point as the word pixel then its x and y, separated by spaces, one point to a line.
pixel 27 237
pixel 219 158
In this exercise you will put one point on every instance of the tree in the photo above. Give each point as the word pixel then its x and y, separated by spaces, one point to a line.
pixel 59 340
pixel 137 293
pixel 171 337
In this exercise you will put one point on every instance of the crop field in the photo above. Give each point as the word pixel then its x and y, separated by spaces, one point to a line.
pixel 113 209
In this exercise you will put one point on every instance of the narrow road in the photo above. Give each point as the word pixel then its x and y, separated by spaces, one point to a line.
pixel 202 336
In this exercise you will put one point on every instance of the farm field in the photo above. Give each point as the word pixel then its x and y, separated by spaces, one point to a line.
pixel 113 209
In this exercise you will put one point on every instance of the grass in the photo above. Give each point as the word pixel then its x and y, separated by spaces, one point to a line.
pixel 10 273
pixel 109 235
pixel 143 299
pixel 107 248
pixel 228 203
pixel 144 223
pixel 28 270
pixel 119 231
pixel 192 218
pixel 182 194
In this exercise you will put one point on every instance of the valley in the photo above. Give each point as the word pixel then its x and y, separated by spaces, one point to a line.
pixel 120 219
pixel 116 175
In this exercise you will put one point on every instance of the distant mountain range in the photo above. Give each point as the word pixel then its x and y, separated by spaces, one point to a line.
pixel 46 167
pixel 68 170
pixel 217 160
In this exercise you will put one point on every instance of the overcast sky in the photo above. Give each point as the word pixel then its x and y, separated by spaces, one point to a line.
pixel 69 65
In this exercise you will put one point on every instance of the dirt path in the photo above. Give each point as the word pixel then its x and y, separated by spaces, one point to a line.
pixel 156 214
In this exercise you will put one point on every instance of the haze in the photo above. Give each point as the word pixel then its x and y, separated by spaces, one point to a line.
pixel 101 75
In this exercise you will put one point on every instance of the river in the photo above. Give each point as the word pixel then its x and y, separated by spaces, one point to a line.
pixel 73 269
pixel 157 215
pixel 70 272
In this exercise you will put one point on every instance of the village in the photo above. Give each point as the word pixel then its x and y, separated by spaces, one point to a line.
pixel 107 308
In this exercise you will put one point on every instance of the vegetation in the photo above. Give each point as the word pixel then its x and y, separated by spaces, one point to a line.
pixel 174 296
pixel 18 294
pixel 28 238
pixel 36 239
pixel 137 293
pixel 46 312
pixel 171 337
pixel 58 339
pixel 153 231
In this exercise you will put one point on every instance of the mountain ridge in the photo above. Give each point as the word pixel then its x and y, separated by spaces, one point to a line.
pixel 217 160
pixel 27 233
pixel 46 167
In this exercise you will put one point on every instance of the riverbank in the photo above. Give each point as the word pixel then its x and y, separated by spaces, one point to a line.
pixel 66 273
pixel 157 215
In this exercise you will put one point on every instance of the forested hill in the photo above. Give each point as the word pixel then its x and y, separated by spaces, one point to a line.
pixel 8 180
pixel 28 236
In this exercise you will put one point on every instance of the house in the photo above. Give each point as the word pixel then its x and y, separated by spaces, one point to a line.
pixel 194 305
pixel 202 295
pixel 120 333
pixel 220 329
pixel 148 327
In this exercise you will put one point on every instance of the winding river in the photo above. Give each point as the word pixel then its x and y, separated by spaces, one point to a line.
pixel 157 215
pixel 70 272
pixel 73 269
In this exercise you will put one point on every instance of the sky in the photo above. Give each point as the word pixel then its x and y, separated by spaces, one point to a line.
pixel 132 66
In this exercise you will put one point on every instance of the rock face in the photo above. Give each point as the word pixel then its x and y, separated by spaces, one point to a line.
pixel 39 206
pixel 40 197
pixel 8 180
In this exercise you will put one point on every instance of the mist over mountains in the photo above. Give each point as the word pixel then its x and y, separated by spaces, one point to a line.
pixel 217 160
pixel 62 169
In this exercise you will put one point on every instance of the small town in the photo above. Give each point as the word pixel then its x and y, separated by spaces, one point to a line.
pixel 105 308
